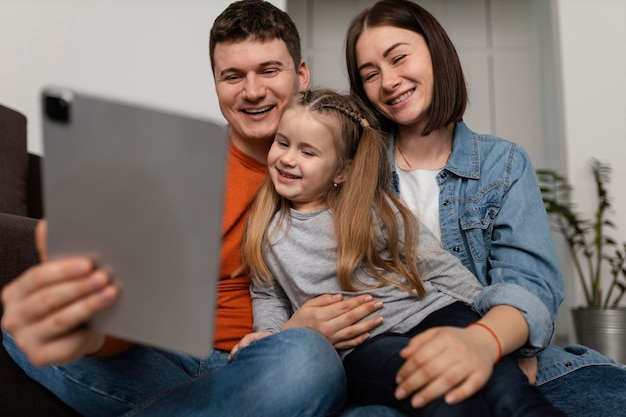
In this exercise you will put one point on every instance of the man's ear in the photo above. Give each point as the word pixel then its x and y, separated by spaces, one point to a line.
pixel 342 175
pixel 304 75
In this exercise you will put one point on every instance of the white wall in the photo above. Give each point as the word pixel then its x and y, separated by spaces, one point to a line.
pixel 152 52
pixel 593 66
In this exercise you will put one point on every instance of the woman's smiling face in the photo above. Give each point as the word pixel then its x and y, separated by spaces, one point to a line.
pixel 396 70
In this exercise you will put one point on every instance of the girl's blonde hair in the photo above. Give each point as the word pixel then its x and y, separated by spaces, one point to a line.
pixel 362 206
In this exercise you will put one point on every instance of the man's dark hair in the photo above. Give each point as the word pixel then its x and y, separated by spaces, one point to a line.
pixel 255 20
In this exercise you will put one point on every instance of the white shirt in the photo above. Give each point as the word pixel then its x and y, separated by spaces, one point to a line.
pixel 420 192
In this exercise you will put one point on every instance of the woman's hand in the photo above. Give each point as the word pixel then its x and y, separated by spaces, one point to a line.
pixel 529 367
pixel 340 321
pixel 451 361
pixel 46 308
pixel 247 340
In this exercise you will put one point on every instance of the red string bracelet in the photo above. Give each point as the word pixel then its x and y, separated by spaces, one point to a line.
pixel 484 326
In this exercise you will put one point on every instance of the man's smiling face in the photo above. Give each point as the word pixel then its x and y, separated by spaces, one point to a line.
pixel 254 83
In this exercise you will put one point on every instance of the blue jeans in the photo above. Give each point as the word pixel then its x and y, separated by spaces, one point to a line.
pixel 582 382
pixel 578 380
pixel 295 372
pixel 372 367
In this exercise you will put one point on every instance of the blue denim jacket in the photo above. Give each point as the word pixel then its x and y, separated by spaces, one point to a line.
pixel 493 219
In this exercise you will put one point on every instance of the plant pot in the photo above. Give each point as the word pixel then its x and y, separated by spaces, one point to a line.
pixel 603 330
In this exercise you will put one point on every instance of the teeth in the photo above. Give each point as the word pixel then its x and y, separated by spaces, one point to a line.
pixel 291 177
pixel 258 111
pixel 402 97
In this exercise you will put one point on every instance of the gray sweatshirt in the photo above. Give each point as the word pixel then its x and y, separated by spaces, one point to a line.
pixel 303 262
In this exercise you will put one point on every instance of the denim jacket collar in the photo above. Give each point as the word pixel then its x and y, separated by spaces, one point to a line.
pixel 464 160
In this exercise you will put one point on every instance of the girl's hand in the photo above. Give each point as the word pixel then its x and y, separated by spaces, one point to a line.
pixel 247 340
pixel 46 308
pixel 451 361
pixel 340 321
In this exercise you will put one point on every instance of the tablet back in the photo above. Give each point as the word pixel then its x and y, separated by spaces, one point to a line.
pixel 140 191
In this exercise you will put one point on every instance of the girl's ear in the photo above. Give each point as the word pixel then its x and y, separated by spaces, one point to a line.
pixel 343 173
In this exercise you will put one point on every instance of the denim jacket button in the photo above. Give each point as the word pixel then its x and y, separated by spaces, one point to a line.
pixel 456 249
pixel 445 203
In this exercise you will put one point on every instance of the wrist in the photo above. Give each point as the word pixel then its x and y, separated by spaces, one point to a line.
pixel 492 335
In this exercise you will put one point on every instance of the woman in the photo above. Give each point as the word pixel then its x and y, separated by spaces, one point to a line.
pixel 479 194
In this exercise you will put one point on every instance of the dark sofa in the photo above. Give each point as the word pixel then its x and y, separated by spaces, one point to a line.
pixel 20 207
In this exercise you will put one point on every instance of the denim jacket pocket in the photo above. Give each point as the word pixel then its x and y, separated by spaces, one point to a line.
pixel 477 225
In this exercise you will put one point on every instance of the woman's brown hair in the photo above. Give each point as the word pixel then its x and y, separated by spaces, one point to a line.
pixel 449 90
pixel 362 206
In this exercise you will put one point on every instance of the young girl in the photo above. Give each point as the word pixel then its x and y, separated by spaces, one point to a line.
pixel 325 221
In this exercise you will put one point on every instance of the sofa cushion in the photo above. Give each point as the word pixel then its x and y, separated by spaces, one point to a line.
pixel 13 162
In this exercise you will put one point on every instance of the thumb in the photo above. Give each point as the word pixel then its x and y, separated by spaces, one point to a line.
pixel 41 232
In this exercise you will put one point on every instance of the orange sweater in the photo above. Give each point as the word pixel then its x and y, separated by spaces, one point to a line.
pixel 234 309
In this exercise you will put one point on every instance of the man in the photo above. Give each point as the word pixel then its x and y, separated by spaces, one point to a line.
pixel 257 68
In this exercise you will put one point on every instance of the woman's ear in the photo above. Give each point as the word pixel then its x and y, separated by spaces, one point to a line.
pixel 342 175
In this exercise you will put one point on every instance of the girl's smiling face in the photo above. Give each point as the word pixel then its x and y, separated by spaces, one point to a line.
pixel 303 160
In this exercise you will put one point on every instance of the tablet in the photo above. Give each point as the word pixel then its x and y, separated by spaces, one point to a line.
pixel 140 191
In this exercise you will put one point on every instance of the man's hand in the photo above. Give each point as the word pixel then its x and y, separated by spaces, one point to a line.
pixel 46 308
pixel 340 321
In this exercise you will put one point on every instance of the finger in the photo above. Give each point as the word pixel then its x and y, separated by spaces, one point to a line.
pixel 472 384
pixel 332 318
pixel 43 275
pixel 233 351
pixel 74 315
pixel 416 376
pixel 358 303
pixel 247 340
pixel 41 232
pixel 354 308
pixel 438 382
pixel 421 349
pixel 420 341
pixel 323 300
pixel 357 333
pixel 350 325
pixel 64 349
pixel 350 343
pixel 42 303
pixel 353 311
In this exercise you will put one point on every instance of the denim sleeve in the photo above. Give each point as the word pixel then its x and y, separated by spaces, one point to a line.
pixel 523 267
pixel 532 308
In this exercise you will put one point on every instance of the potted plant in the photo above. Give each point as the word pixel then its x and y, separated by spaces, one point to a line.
pixel 598 260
